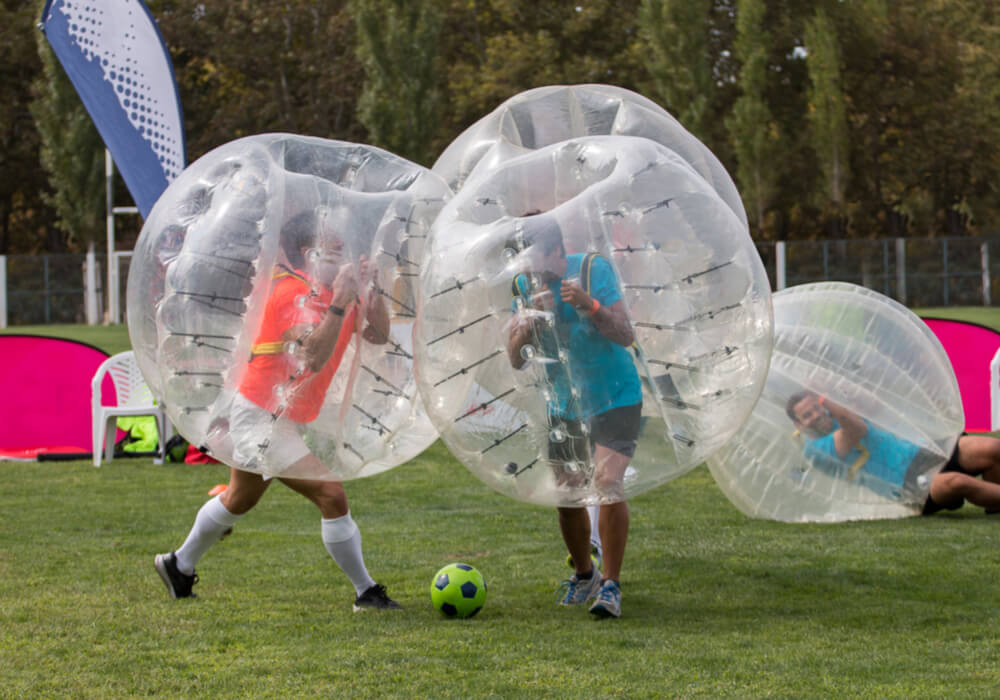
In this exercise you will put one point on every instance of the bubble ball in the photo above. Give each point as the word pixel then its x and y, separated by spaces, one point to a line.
pixel 458 590
pixel 859 411
pixel 687 300
pixel 547 115
pixel 233 305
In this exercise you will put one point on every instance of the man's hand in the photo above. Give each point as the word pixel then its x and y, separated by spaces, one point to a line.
pixel 543 300
pixel 572 293
pixel 345 286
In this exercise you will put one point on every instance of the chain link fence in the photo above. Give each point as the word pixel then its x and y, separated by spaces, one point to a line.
pixel 918 272
pixel 51 289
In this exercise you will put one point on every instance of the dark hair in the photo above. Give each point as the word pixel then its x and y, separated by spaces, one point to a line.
pixel 541 231
pixel 793 401
pixel 297 233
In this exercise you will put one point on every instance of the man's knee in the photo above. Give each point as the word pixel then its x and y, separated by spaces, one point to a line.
pixel 330 497
pixel 950 485
pixel 978 452
pixel 609 485
pixel 243 492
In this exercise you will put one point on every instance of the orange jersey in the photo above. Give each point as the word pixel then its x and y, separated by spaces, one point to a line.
pixel 274 376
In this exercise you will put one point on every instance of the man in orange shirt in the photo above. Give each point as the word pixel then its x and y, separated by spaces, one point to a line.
pixel 310 318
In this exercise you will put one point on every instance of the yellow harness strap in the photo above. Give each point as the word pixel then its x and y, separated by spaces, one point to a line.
pixel 859 462
pixel 274 348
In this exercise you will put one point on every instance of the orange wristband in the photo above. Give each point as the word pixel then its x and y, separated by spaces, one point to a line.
pixel 821 400
pixel 594 308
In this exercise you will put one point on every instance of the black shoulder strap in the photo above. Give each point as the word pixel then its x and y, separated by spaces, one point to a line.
pixel 585 266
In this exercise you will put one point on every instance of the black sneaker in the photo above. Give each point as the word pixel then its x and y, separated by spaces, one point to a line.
pixel 375 598
pixel 178 583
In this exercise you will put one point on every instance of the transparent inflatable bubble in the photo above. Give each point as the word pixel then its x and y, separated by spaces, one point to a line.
pixel 229 305
pixel 856 371
pixel 547 115
pixel 520 382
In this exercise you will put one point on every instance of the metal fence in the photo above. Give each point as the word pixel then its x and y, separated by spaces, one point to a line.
pixel 918 272
pixel 56 288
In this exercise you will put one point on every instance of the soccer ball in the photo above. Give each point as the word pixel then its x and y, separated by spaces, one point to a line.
pixel 458 590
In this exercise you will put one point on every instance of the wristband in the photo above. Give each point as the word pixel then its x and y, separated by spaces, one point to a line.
pixel 821 400
pixel 594 308
pixel 336 310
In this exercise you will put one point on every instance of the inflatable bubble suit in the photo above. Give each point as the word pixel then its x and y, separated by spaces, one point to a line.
pixel 646 234
pixel 229 304
pixel 844 354
pixel 547 115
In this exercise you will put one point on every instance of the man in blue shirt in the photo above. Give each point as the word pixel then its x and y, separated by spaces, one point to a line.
pixel 847 445
pixel 595 396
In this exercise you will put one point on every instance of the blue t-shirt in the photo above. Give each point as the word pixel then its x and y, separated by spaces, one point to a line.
pixel 882 459
pixel 601 370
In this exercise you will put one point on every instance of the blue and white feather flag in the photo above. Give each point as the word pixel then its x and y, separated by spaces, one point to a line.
pixel 115 57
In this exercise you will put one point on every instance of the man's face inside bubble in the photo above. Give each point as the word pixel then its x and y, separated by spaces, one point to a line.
pixel 813 417
pixel 548 264
pixel 326 259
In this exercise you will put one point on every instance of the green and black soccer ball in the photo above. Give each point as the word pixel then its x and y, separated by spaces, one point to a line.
pixel 458 590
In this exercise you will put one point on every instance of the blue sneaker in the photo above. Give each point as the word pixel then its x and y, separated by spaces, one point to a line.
pixel 576 590
pixel 609 600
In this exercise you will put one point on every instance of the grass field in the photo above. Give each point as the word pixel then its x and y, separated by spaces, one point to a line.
pixel 111 339
pixel 715 604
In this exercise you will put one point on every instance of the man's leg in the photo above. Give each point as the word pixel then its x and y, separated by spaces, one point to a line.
pixel 214 519
pixel 948 489
pixel 341 537
pixel 980 454
pixel 614 517
pixel 595 531
pixel 574 524
pixel 218 515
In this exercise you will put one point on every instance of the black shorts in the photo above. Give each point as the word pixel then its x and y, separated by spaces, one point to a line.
pixel 930 505
pixel 617 429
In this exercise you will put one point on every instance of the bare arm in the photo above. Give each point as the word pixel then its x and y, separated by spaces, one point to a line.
pixel 377 318
pixel 319 342
pixel 521 333
pixel 611 321
pixel 852 428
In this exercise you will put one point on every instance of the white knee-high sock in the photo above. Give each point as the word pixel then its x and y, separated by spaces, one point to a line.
pixel 342 540
pixel 210 524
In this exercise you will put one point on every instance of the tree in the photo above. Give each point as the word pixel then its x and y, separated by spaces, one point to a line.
pixel 24 216
pixel 72 154
pixel 247 68
pixel 827 115
pixel 754 133
pixel 675 35
pixel 400 103
pixel 496 49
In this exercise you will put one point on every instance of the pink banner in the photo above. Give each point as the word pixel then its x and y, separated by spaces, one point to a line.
pixel 46 392
pixel 970 348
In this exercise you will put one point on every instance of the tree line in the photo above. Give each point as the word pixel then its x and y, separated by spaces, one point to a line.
pixel 836 118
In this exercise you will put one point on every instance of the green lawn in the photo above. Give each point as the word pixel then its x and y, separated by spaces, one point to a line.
pixel 715 604
pixel 111 339
pixel 983 315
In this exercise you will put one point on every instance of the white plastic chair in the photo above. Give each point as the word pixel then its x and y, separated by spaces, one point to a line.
pixel 134 399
